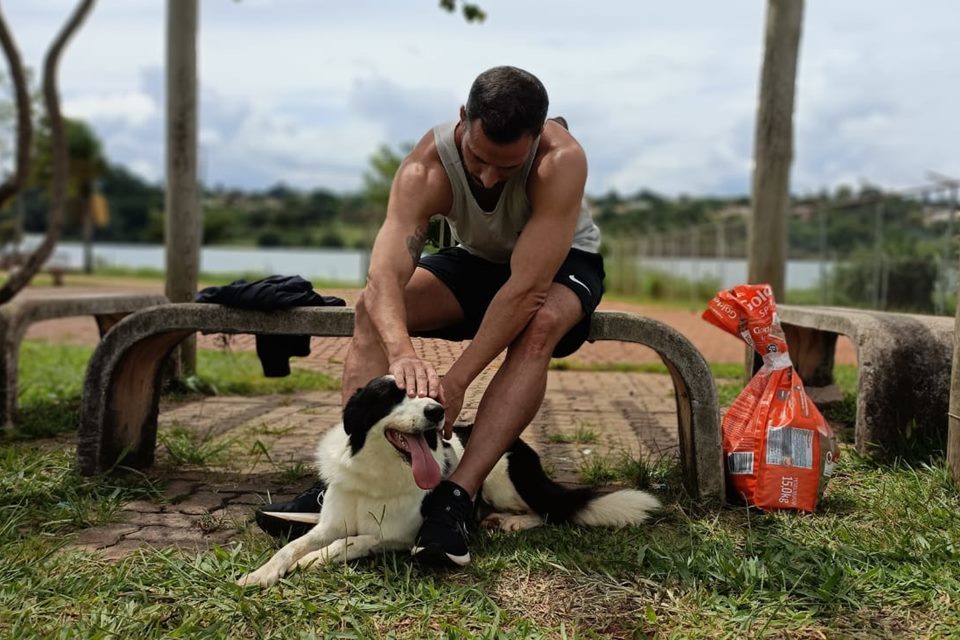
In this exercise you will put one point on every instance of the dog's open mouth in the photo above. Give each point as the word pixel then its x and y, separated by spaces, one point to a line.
pixel 414 448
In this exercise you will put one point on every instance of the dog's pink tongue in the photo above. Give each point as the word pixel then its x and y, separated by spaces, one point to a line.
pixel 426 471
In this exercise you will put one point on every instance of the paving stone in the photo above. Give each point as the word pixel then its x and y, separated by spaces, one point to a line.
pixel 96 538
pixel 173 519
pixel 176 490
pixel 200 503
pixel 166 536
pixel 142 506
pixel 255 499
pixel 121 550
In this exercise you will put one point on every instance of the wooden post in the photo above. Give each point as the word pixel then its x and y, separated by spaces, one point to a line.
pixel 773 152
pixel 183 228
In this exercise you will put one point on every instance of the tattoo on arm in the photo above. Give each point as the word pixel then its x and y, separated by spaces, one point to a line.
pixel 416 242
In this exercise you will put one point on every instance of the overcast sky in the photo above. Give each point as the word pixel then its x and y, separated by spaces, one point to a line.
pixel 662 95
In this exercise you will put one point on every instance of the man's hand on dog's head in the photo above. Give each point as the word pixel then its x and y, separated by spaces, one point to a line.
pixel 417 377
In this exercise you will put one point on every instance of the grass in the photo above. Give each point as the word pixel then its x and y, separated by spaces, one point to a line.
pixel 878 559
pixel 51 382
pixel 583 435
pixel 844 572
pixel 186 447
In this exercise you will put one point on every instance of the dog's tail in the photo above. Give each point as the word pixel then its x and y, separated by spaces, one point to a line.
pixel 617 509
pixel 557 503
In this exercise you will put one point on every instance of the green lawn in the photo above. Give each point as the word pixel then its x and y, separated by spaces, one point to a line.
pixel 881 558
pixel 51 382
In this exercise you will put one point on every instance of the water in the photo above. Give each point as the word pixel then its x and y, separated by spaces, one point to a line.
pixel 801 274
pixel 342 265
pixel 349 265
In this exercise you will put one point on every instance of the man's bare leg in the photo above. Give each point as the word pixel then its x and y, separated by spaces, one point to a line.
pixel 430 305
pixel 516 392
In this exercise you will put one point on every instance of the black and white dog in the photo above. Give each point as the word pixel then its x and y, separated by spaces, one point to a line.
pixel 389 455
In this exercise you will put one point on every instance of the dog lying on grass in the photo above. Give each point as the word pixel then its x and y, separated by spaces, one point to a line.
pixel 386 457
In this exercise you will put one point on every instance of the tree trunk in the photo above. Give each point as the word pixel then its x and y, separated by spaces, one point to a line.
pixel 773 146
pixel 87 238
pixel 773 151
pixel 953 418
pixel 183 228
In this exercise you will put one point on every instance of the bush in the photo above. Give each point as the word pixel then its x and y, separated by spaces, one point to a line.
pixel 331 238
pixel 270 238
pixel 905 283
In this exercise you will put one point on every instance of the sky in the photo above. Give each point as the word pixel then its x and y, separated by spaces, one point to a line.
pixel 662 95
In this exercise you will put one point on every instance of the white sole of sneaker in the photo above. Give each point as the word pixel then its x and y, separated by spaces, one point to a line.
pixel 293 516
pixel 460 561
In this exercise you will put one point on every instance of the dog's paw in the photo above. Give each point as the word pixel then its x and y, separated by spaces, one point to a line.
pixel 511 521
pixel 262 577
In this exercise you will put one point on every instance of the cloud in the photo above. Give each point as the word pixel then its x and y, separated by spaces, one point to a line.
pixel 132 108
pixel 662 96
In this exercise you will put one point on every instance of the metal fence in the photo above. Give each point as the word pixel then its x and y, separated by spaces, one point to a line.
pixel 879 250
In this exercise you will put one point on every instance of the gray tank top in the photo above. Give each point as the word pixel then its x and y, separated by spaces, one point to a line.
pixel 492 235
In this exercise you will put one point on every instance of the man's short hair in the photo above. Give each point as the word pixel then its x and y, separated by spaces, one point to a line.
pixel 509 102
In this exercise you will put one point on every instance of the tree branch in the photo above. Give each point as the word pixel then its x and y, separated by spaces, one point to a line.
pixel 14 183
pixel 21 277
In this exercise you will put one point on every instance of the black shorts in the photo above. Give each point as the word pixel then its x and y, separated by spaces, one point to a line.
pixel 475 281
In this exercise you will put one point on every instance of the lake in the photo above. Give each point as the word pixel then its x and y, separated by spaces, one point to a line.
pixel 349 265
pixel 342 265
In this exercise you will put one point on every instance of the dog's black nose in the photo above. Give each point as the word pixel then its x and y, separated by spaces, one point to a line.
pixel 434 413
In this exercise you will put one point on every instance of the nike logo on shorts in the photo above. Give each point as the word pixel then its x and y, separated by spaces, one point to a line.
pixel 574 278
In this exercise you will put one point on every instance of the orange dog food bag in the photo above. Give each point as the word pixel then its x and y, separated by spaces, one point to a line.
pixel 778 447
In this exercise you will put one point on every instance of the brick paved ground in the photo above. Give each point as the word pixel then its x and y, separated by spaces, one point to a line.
pixel 267 442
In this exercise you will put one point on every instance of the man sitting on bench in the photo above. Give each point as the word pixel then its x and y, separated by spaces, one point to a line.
pixel 525 276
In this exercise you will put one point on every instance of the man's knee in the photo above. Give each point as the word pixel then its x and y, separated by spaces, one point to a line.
pixel 544 331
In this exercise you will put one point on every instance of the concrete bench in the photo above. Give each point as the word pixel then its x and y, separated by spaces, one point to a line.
pixel 17 316
pixel 118 423
pixel 903 360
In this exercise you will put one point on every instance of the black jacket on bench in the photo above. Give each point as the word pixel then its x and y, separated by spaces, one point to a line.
pixel 272 294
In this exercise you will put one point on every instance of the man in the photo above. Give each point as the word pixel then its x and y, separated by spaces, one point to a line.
pixel 525 277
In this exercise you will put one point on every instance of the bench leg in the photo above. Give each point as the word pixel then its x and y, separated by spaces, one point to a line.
pixel 119 423
pixel 699 439
pixel 105 321
pixel 813 353
pixel 903 392
pixel 8 384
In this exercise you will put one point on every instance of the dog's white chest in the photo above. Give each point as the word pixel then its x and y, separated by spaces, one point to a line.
pixel 353 513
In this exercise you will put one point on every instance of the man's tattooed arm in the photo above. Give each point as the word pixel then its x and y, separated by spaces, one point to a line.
pixel 416 242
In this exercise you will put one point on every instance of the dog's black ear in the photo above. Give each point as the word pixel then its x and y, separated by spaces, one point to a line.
pixel 367 406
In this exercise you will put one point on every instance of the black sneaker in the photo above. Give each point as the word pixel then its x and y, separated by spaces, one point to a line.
pixel 292 519
pixel 442 539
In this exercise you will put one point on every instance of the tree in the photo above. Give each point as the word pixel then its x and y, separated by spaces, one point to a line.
pixel 86 166
pixel 471 12
pixel 19 278
pixel 377 180
pixel 773 146
pixel 182 226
